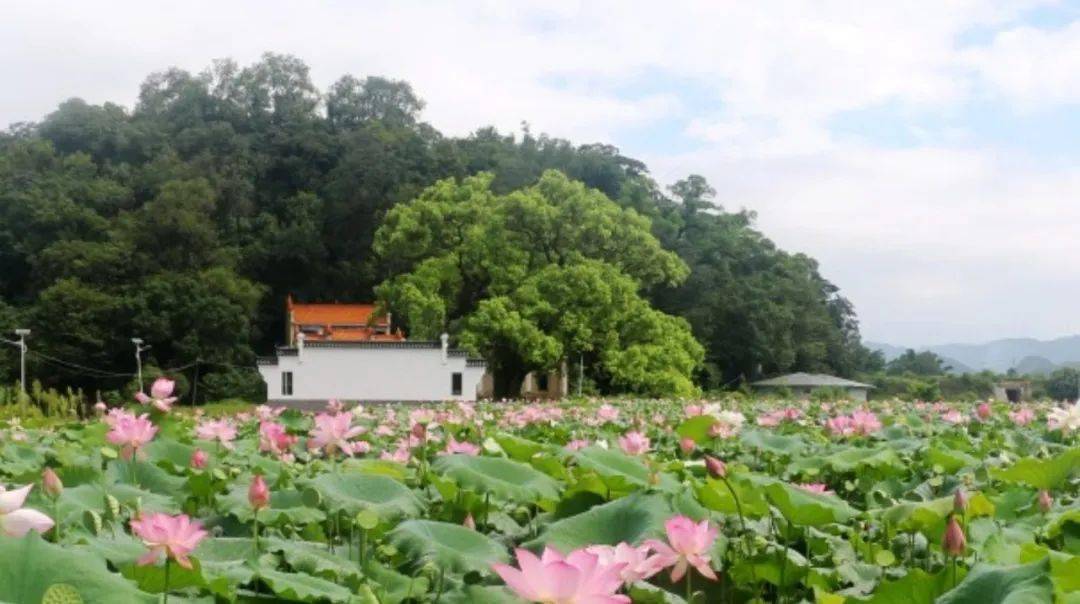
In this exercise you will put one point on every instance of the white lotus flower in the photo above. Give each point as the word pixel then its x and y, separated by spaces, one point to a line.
pixel 1066 419
pixel 15 520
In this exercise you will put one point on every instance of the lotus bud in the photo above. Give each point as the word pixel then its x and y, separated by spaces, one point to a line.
pixel 959 501
pixel 954 541
pixel 419 431
pixel 687 446
pixel 716 468
pixel 469 522
pixel 199 459
pixel 1045 501
pixel 51 483
pixel 100 408
pixel 258 493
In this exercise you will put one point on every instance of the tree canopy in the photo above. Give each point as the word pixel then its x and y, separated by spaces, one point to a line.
pixel 537 277
pixel 917 363
pixel 188 218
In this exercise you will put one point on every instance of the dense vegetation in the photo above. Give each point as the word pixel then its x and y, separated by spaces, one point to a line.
pixel 740 501
pixel 187 220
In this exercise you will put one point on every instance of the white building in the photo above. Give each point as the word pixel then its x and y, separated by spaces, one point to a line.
pixel 407 370
pixel 350 352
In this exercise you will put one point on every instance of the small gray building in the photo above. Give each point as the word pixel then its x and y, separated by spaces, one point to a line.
pixel 802 384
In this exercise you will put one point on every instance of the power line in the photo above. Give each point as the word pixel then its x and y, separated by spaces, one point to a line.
pixel 95 372
pixel 71 365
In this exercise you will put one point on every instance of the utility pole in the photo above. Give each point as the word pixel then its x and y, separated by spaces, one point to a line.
pixel 195 384
pixel 581 373
pixel 139 348
pixel 22 333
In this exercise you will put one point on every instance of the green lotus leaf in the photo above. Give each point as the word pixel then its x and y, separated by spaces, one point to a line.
pixel 452 546
pixel 501 477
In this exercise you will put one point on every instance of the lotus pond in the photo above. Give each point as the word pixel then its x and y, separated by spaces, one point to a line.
pixel 573 501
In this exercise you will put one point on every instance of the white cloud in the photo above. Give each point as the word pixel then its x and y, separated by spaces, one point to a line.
pixel 1033 67
pixel 931 243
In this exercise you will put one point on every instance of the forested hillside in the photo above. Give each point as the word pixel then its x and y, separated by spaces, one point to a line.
pixel 187 219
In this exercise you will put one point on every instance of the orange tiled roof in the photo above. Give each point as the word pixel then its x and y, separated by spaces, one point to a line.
pixel 332 314
pixel 339 322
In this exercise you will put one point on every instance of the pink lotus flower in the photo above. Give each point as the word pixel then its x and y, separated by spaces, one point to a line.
pixel 1066 418
pixel 634 443
pixel 865 422
pixel 688 545
pixel 637 564
pixel 983 411
pixel 400 455
pixel 274 439
pixel 199 459
pixel 419 432
pixel 728 423
pixel 258 493
pixel 952 416
pixel 577 444
pixel 1046 502
pixel 770 420
pixel 15 520
pixel 131 432
pixel 553 579
pixel 421 416
pixel 114 415
pixel 953 542
pixel 1022 416
pixel 267 413
pixel 464 448
pixel 839 426
pixel 221 430
pixel 51 483
pixel 715 467
pixel 687 445
pixel 859 423
pixel 333 433
pixel 815 487
pixel 160 394
pixel 960 501
pixel 172 536
pixel 607 413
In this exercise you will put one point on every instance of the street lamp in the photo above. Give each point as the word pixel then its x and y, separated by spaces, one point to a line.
pixel 22 333
pixel 139 349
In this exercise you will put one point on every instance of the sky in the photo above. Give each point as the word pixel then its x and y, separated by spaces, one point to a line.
pixel 927 153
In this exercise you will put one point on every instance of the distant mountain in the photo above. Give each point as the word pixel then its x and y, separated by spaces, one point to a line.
pixel 1035 366
pixel 1027 355
pixel 955 366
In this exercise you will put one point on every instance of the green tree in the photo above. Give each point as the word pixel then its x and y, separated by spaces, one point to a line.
pixel 1063 384
pixel 534 278
pixel 917 363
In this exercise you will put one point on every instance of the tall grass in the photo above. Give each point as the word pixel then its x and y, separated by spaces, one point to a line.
pixel 39 402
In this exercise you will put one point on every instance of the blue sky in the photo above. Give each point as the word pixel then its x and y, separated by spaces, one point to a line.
pixel 925 152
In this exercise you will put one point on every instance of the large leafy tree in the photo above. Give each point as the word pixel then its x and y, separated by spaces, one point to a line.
pixel 535 278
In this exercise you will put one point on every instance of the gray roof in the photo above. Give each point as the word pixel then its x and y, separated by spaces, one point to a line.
pixel 811 380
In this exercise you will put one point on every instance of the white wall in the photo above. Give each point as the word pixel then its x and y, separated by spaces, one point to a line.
pixel 371 374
